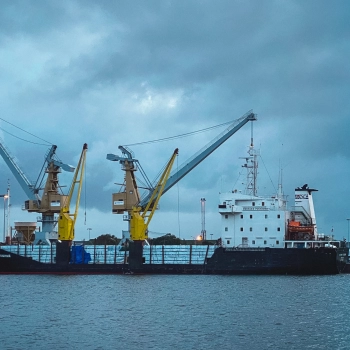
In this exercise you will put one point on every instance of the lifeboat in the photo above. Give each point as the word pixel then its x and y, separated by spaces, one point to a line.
pixel 299 232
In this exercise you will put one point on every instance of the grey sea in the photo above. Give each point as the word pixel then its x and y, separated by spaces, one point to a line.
pixel 174 312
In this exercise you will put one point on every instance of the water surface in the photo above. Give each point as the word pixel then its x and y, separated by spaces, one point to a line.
pixel 174 312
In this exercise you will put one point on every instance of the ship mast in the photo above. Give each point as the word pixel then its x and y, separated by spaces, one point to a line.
pixel 252 167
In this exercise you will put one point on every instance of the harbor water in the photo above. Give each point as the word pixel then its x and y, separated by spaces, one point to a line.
pixel 174 312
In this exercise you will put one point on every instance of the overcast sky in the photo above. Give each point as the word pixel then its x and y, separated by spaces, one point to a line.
pixel 112 73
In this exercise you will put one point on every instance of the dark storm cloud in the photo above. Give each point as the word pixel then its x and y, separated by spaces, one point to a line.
pixel 110 70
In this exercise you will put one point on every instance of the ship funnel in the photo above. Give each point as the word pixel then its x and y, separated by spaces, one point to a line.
pixel 303 198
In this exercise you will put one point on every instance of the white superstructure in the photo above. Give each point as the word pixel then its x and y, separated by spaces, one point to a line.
pixel 252 221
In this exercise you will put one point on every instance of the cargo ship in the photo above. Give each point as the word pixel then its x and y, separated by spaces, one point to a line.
pixel 258 234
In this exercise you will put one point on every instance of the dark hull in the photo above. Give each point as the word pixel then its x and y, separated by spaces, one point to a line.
pixel 312 261
pixel 278 261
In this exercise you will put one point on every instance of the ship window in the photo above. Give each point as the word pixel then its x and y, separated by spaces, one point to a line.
pixel 228 242
pixel 241 228
pixel 251 229
pixel 265 216
pixel 278 229
pixel 226 228
pixel 251 216
pixel 241 216
pixel 278 216
pixel 265 228
pixel 226 216
pixel 277 242
pixel 253 204
pixel 262 203
pixel 264 242
pixel 253 242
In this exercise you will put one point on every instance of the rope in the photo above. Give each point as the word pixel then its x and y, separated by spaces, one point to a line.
pixel 268 174
pixel 178 136
pixel 26 133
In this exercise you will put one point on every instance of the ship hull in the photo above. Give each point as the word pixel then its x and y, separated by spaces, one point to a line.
pixel 272 261
pixel 293 261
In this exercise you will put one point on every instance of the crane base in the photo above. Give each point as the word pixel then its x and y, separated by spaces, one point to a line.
pixel 136 259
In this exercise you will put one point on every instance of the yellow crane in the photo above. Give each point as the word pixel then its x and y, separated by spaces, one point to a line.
pixel 66 220
pixel 141 217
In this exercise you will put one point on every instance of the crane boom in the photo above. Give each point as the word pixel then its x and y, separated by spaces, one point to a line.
pixel 27 186
pixel 204 153
pixel 50 158
pixel 139 222
pixel 141 217
pixel 66 221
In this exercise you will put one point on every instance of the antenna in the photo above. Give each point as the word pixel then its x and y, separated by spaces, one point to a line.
pixel 251 135
pixel 203 232
pixel 9 231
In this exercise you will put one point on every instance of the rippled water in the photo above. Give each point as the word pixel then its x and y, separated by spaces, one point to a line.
pixel 174 312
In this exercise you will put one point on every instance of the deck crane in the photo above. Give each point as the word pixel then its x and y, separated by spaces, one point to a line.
pixel 129 197
pixel 66 219
pixel 50 202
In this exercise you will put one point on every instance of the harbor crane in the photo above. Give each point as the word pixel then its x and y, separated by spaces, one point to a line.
pixel 44 200
pixel 129 197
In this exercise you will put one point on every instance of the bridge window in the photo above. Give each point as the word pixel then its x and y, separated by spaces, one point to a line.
pixel 264 242
pixel 253 242
pixel 226 228
pixel 278 229
pixel 228 242
pixel 241 216
pixel 251 229
pixel 251 216
pixel 242 229
pixel 262 203
pixel 266 216
pixel 277 242
pixel 226 216
pixel 278 216
pixel 253 204
pixel 266 229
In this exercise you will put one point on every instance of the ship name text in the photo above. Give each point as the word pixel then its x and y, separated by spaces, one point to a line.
pixel 255 208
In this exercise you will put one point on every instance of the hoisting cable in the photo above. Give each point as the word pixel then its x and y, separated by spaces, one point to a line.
pixel 178 136
pixel 25 132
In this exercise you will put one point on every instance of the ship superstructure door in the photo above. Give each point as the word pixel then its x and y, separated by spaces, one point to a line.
pixel 244 242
